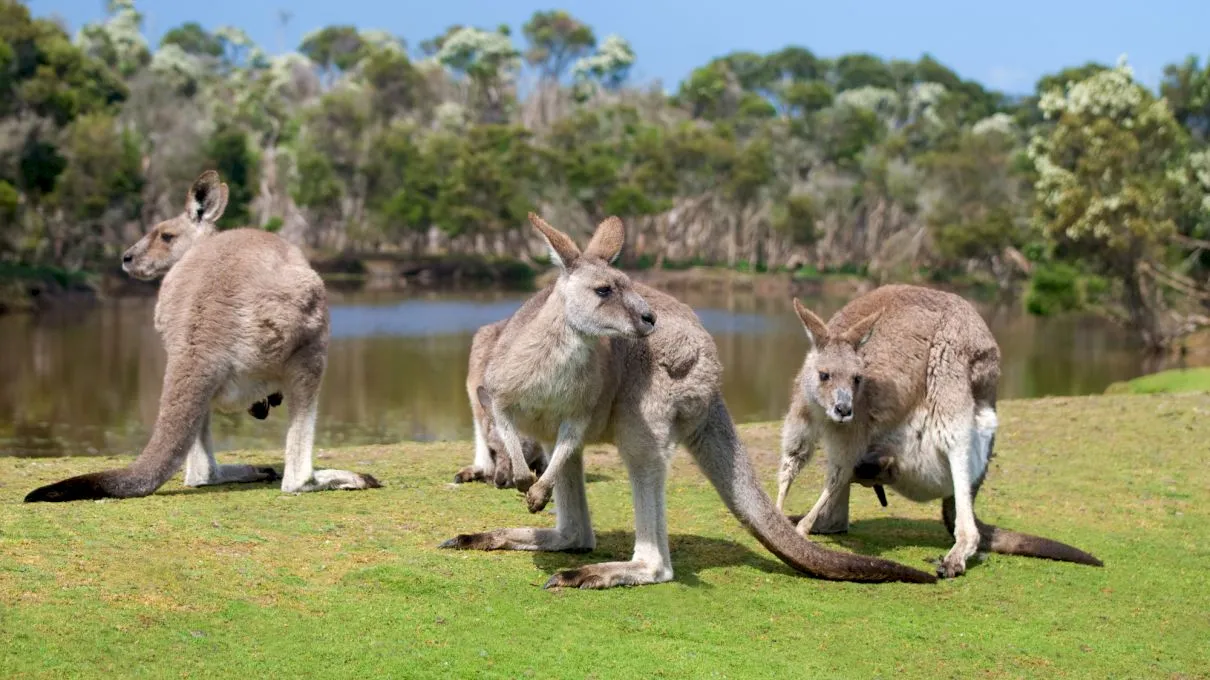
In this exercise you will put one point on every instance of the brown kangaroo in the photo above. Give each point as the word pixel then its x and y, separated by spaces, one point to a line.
pixel 242 315
pixel 901 386
pixel 594 357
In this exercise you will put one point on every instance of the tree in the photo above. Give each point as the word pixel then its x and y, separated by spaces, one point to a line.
pixel 1107 191
pixel 556 40
pixel 488 59
pixel 1187 89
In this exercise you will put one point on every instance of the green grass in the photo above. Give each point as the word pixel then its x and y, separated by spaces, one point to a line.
pixel 1165 382
pixel 247 582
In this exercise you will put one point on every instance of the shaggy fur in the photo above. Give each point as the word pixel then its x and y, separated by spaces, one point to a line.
pixel 242 315
pixel 901 387
pixel 595 357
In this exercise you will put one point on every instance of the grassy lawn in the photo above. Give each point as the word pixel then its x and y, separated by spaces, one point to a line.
pixel 246 582
pixel 1176 380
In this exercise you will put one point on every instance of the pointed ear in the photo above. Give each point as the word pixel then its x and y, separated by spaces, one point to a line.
pixel 859 334
pixel 207 199
pixel 562 249
pixel 485 399
pixel 607 242
pixel 817 330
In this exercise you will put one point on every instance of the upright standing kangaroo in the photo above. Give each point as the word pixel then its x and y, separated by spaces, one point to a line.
pixel 243 318
pixel 594 357
pixel 901 386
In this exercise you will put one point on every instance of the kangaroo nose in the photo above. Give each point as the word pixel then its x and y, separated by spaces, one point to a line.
pixel 648 318
pixel 843 410
pixel 127 258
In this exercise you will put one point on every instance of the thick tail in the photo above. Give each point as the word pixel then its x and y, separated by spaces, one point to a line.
pixel 721 456
pixel 183 404
pixel 1006 542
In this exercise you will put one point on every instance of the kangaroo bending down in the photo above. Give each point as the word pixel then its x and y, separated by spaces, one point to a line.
pixel 901 386
pixel 242 315
pixel 491 462
pixel 594 357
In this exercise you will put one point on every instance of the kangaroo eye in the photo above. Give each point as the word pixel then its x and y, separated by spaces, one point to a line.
pixel 166 237
pixel 856 380
pixel 823 376
pixel 603 291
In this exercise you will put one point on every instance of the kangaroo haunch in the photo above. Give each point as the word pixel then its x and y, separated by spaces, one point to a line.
pixel 901 387
pixel 594 357
pixel 242 315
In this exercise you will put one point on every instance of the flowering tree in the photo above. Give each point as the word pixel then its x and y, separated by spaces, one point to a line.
pixel 1112 170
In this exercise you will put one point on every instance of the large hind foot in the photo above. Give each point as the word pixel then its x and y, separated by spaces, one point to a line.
pixel 468 474
pixel 610 575
pixel 546 540
pixel 332 480
pixel 229 474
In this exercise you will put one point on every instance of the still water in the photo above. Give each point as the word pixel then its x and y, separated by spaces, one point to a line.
pixel 86 381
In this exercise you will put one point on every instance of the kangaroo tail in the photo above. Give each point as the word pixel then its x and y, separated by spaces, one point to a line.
pixel 1007 542
pixel 183 404
pixel 716 447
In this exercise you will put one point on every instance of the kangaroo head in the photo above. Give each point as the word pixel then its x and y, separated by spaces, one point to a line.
pixel 168 241
pixel 598 299
pixel 833 376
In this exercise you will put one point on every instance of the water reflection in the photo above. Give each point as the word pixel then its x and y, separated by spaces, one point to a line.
pixel 87 381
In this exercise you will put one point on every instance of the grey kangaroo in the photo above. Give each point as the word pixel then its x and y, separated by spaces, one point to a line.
pixel 491 463
pixel 242 315
pixel 595 357
pixel 901 387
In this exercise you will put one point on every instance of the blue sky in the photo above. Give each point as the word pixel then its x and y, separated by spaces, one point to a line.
pixel 1004 45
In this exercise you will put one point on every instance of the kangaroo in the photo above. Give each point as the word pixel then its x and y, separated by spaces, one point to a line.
pixel 490 462
pixel 584 360
pixel 242 315
pixel 901 387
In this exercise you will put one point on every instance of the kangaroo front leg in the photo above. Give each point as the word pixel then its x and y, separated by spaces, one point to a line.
pixel 797 445
pixel 570 443
pixel 651 562
pixel 506 430
pixel 201 469
pixel 573 525
pixel 304 375
pixel 966 530
pixel 830 515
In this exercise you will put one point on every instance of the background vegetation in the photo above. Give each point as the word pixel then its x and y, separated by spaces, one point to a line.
pixel 1092 186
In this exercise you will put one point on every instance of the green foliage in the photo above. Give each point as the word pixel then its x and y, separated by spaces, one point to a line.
pixel 273 224
pixel 1053 289
pixel 334 47
pixel 796 218
pixel 556 39
pixel 193 39
pixel 230 153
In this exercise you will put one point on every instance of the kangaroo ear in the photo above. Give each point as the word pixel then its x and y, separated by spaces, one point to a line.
pixel 207 199
pixel 817 330
pixel 859 334
pixel 485 399
pixel 608 240
pixel 562 249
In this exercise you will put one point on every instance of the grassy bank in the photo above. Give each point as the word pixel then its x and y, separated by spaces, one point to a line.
pixel 245 581
pixel 1165 382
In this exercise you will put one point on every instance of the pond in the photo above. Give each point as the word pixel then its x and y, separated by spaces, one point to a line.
pixel 86 381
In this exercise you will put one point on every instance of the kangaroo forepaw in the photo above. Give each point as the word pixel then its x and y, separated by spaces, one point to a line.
pixel 274 399
pixel 268 474
pixel 523 483
pixel 259 410
pixel 537 497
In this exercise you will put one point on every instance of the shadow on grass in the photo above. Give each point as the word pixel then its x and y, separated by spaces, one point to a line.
pixel 690 556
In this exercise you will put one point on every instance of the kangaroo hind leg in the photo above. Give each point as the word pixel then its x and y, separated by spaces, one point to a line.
pixel 573 525
pixel 304 375
pixel 201 468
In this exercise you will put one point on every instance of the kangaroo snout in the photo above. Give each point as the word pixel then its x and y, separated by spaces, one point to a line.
pixel 646 325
